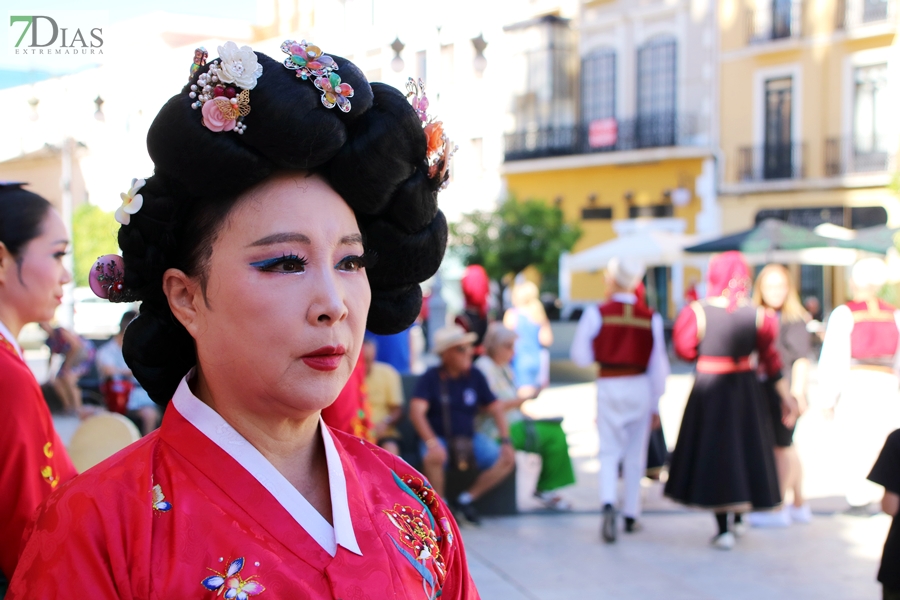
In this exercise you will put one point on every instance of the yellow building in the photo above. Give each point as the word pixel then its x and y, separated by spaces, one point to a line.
pixel 808 125
pixel 616 125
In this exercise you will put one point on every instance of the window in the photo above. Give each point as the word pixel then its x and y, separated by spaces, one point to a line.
pixel 656 101
pixel 781 18
pixel 598 86
pixel 447 65
pixel 869 109
pixel 778 147
pixel 421 63
pixel 875 10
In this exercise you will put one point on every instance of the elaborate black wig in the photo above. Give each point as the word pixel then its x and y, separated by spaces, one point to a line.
pixel 374 156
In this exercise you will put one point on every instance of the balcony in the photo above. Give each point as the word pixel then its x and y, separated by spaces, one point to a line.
pixel 779 20
pixel 771 162
pixel 607 135
pixel 856 13
pixel 857 155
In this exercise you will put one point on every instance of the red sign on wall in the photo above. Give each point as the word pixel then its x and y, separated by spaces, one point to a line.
pixel 603 133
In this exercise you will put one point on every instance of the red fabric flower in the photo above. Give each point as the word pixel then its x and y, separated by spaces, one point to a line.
pixel 416 533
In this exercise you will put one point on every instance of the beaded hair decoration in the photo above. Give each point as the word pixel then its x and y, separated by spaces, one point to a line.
pixel 440 149
pixel 310 63
pixel 223 93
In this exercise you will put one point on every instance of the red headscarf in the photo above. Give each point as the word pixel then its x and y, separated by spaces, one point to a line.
pixel 476 288
pixel 729 276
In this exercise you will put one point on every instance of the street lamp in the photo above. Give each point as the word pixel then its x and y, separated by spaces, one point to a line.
pixel 98 114
pixel 479 62
pixel 397 63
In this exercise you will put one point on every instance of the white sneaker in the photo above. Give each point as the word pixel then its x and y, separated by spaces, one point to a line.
pixel 775 518
pixel 724 541
pixel 800 514
pixel 739 529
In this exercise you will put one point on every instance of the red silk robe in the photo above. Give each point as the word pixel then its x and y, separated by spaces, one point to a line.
pixel 174 516
pixel 34 461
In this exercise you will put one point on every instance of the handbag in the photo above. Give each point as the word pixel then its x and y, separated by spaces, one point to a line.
pixel 460 447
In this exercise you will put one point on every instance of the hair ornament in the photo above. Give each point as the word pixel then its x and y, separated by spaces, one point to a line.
pixel 309 62
pixel 200 56
pixel 223 92
pixel 107 278
pixel 440 148
pixel 131 202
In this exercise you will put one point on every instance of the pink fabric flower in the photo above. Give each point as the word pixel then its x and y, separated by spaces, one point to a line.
pixel 213 117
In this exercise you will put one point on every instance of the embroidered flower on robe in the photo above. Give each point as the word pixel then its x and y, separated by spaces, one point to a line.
pixel 416 533
pixel 232 583
pixel 423 490
pixel 159 500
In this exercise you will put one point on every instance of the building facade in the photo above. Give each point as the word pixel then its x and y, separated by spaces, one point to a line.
pixel 809 132
pixel 613 117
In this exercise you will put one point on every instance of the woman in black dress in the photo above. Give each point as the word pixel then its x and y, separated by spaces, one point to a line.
pixel 723 459
pixel 774 289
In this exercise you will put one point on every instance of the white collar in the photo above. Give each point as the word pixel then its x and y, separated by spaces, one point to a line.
pixel 213 426
pixel 7 334
pixel 624 298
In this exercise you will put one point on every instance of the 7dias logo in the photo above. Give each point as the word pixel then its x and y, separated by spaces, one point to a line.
pixel 57 34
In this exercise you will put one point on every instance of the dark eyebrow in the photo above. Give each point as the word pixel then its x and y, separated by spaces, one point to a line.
pixel 280 238
pixel 65 242
pixel 351 239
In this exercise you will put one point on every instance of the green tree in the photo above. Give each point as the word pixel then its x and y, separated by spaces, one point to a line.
pixel 94 234
pixel 517 235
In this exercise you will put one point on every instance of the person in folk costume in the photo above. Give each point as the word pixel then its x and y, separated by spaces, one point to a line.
pixel 251 250
pixel 723 460
pixel 626 341
pixel 858 371
pixel 33 241
pixel 476 289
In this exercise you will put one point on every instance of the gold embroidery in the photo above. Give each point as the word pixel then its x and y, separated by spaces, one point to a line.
pixel 48 449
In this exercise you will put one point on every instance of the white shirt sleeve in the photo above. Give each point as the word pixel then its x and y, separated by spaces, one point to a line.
pixel 834 362
pixel 658 368
pixel 582 350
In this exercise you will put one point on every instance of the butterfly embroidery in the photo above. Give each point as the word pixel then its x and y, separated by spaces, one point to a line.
pixel 159 500
pixel 232 583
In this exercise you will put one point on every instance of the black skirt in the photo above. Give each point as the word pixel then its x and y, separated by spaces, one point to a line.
pixel 784 437
pixel 724 458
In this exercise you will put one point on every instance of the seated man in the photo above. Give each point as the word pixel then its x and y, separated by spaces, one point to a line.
pixel 111 365
pixel 443 408
pixel 385 398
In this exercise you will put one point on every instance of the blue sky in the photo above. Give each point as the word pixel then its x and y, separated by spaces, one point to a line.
pixel 11 74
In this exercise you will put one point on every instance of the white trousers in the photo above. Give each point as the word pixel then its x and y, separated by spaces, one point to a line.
pixel 623 422
pixel 868 410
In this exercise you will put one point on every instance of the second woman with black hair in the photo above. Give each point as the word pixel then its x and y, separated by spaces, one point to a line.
pixel 254 268
pixel 34 462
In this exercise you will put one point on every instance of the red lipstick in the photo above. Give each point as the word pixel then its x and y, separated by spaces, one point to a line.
pixel 326 358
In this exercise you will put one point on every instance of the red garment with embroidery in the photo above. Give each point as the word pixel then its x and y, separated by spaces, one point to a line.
pixel 350 411
pixel 34 460
pixel 625 338
pixel 213 531
pixel 875 333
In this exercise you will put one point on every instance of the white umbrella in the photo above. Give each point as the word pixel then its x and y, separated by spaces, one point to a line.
pixel 654 248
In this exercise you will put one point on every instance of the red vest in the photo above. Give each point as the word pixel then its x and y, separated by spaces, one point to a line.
pixel 874 333
pixel 626 338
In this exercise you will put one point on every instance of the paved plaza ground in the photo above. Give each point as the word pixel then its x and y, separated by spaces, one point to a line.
pixel 540 556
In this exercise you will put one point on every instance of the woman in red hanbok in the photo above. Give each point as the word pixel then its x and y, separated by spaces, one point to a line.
pixel 33 241
pixel 253 250
pixel 723 460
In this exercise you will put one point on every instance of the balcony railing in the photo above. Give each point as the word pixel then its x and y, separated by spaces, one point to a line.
pixel 779 20
pixel 855 155
pixel 608 135
pixel 771 161
pixel 853 13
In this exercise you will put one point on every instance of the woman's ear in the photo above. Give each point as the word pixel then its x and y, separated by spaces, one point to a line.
pixel 7 262
pixel 185 297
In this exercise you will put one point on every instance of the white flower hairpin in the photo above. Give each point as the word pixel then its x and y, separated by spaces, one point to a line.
pixel 131 202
